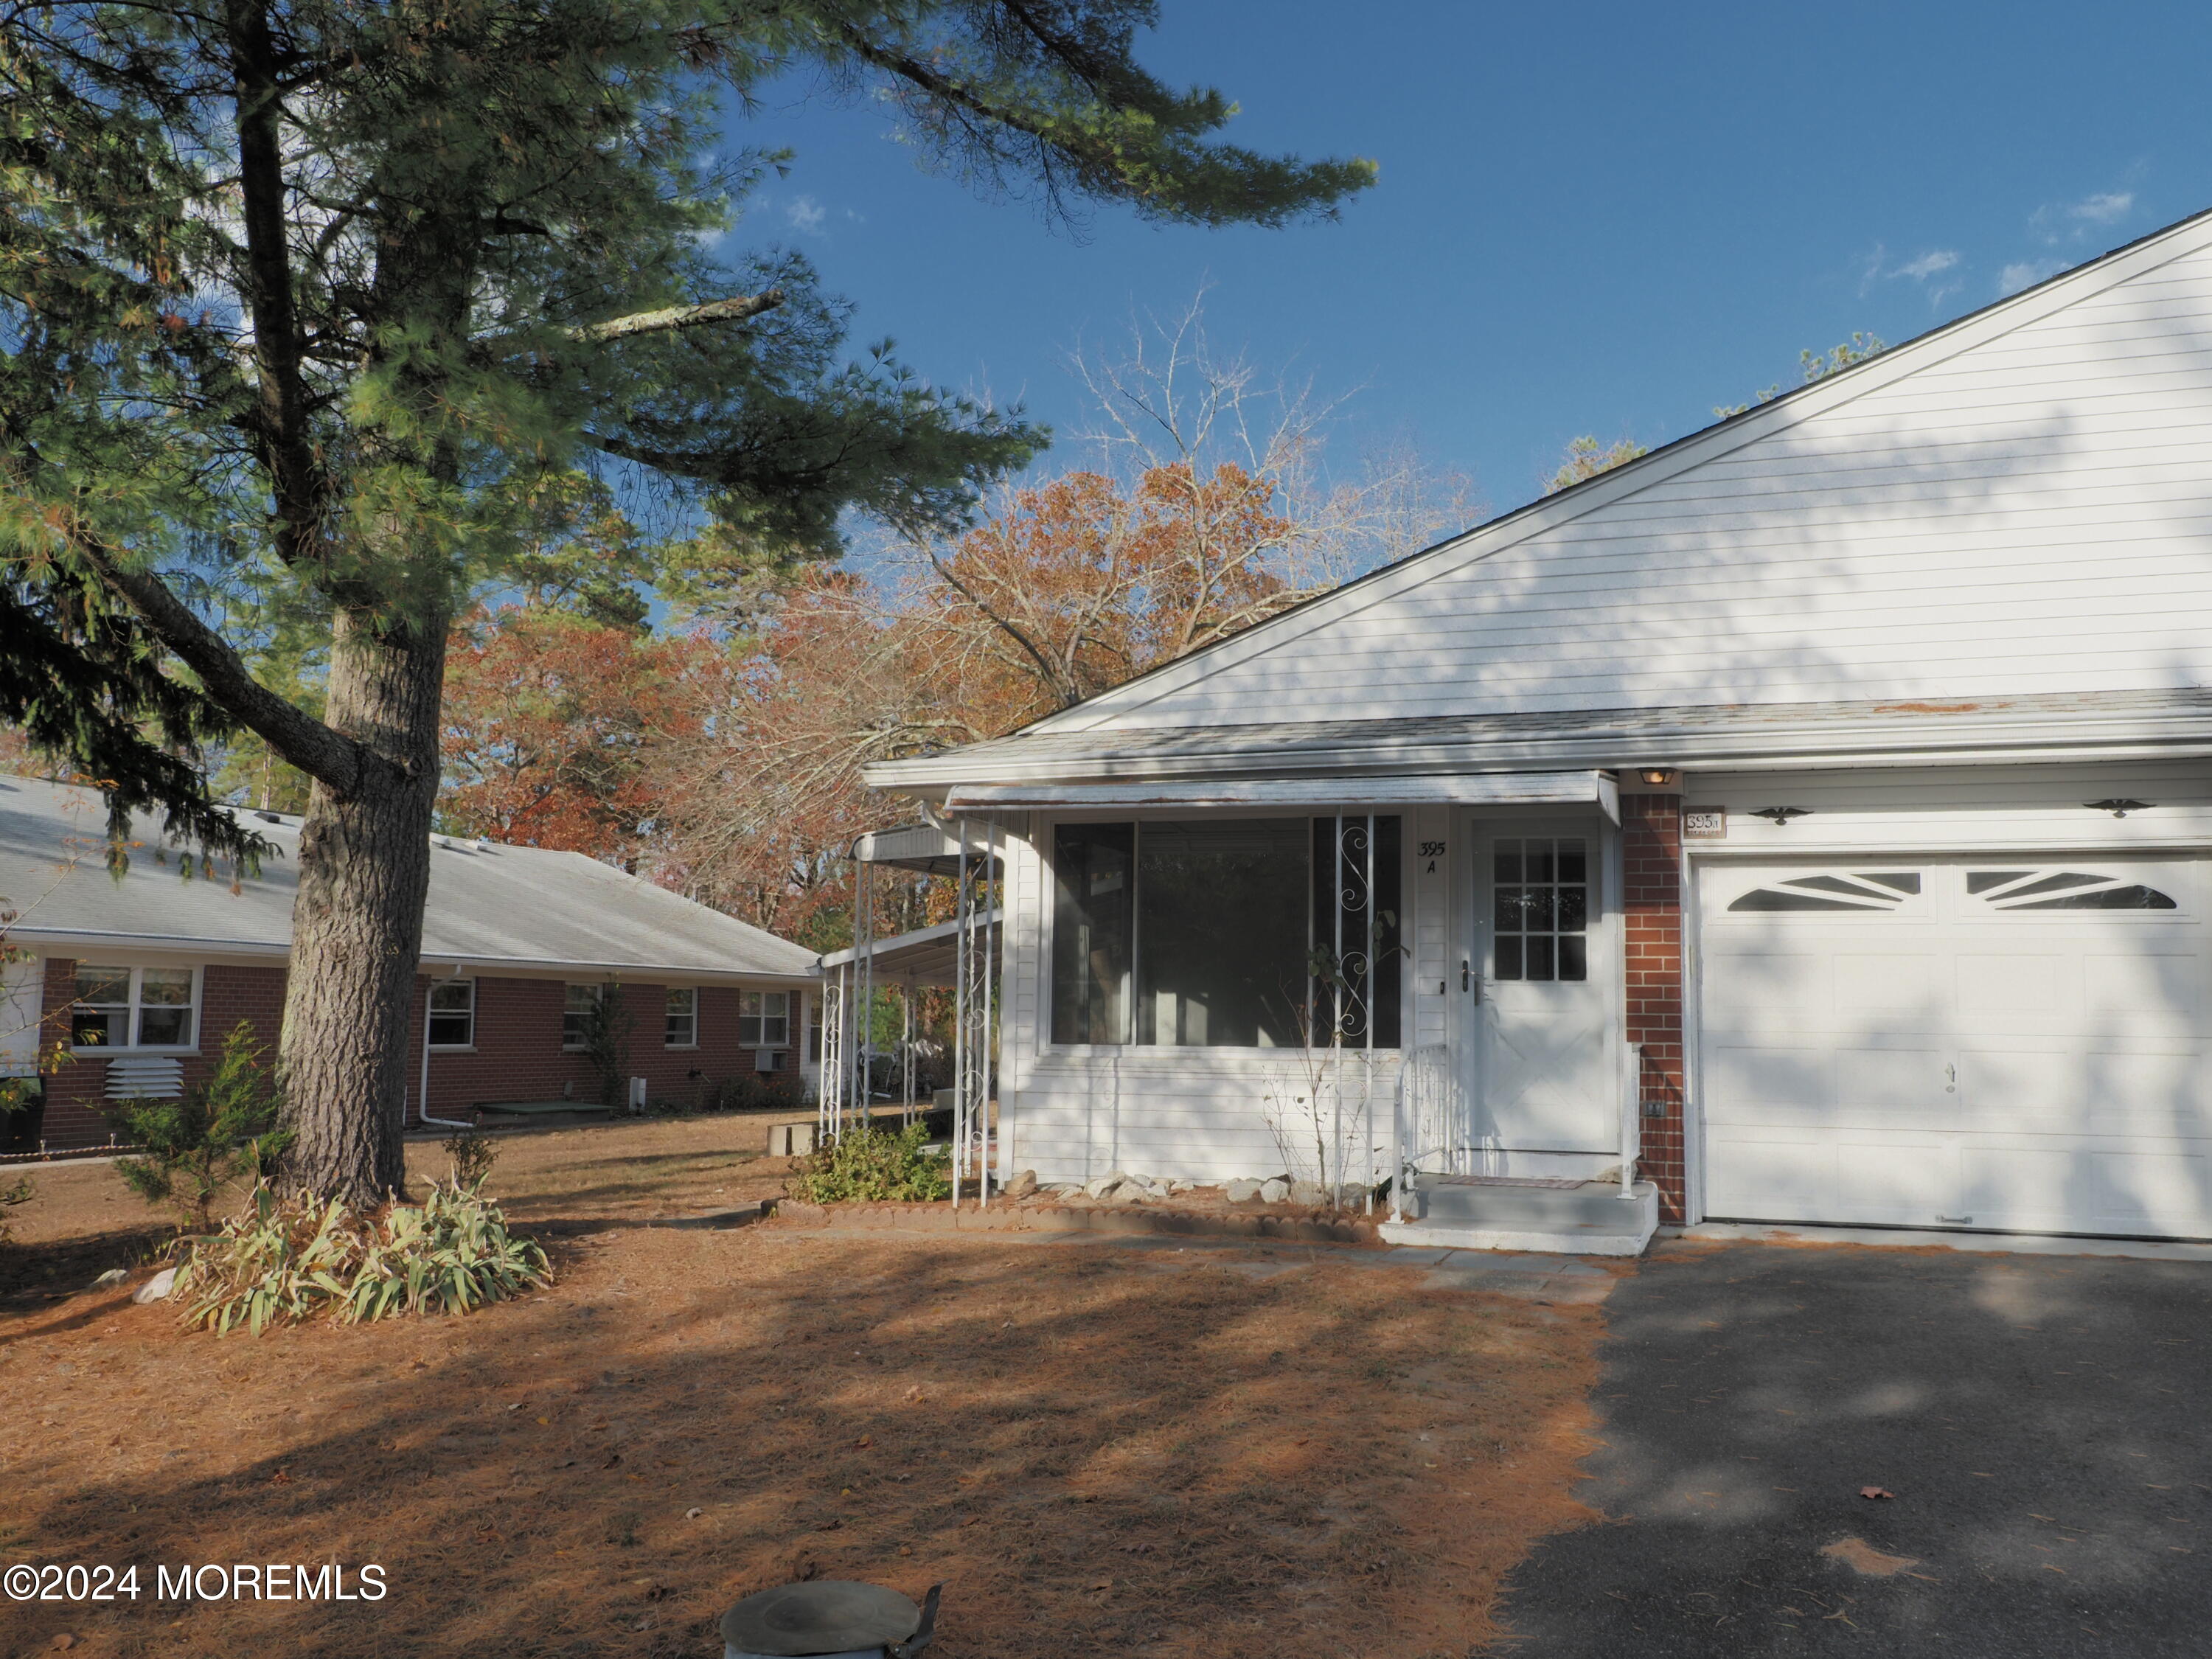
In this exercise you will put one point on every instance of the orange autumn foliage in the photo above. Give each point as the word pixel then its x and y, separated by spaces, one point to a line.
pixel 550 726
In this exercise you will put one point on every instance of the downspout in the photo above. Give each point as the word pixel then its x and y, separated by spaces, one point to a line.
pixel 422 1093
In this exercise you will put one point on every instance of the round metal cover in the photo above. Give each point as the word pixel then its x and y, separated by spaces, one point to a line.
pixel 827 1615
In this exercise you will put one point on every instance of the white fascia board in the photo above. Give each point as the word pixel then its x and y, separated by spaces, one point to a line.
pixel 1832 744
pixel 649 973
pixel 77 942
pixel 1579 788
pixel 1845 387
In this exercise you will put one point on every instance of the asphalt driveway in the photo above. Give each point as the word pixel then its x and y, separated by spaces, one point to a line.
pixel 2044 1423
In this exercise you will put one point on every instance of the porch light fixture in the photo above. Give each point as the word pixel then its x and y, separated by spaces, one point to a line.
pixel 1657 776
pixel 1780 816
pixel 2118 808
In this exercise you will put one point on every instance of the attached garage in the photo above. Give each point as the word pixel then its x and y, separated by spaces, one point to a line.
pixel 2007 1042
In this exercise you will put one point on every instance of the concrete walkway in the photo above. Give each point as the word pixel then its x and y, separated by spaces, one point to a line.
pixel 2041 1423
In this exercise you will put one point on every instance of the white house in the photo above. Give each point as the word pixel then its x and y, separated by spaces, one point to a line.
pixel 1848 758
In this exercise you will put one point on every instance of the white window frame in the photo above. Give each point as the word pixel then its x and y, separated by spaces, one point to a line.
pixel 432 1012
pixel 752 1028
pixel 691 1016
pixel 138 970
pixel 570 1010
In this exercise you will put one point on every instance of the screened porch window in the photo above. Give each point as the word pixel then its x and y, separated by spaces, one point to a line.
pixel 1225 932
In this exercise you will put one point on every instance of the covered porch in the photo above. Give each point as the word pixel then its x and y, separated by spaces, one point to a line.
pixel 1409 990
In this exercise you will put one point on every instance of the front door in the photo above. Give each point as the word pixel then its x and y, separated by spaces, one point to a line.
pixel 1546 1038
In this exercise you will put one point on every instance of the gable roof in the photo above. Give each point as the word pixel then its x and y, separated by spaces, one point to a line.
pixel 2016 504
pixel 490 905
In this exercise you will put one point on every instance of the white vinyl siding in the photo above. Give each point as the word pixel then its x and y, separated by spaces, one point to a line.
pixel 1073 1113
pixel 2023 506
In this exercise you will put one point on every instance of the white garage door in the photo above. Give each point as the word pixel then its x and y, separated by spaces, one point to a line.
pixel 2011 1043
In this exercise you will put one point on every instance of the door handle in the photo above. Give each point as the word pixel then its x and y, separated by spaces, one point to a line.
pixel 1951 1079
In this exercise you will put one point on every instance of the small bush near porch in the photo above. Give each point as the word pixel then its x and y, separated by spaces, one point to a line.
pixel 1100 1450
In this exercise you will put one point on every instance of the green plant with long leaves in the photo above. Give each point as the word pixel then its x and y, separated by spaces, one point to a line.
pixel 225 1130
pixel 298 1258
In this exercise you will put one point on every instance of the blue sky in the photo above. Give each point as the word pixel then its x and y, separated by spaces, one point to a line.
pixel 1604 218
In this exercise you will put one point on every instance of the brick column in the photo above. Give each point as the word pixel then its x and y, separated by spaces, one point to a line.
pixel 1652 866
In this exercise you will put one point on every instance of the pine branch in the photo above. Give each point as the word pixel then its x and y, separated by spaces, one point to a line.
pixel 296 736
pixel 736 309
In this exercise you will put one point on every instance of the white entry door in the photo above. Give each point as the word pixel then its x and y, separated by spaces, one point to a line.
pixel 1996 1042
pixel 1545 1008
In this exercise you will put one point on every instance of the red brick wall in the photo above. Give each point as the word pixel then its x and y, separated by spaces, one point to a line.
pixel 518 1053
pixel 76 1090
pixel 517 1056
pixel 1651 862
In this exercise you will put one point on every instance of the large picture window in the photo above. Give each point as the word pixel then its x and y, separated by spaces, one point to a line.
pixel 1226 932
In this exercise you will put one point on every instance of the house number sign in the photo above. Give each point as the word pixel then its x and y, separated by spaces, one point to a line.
pixel 1430 852
pixel 1705 823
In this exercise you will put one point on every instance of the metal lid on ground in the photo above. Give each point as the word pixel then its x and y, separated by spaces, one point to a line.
pixel 825 1616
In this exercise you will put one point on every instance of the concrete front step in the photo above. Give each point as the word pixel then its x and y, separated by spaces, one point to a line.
pixel 1588 1219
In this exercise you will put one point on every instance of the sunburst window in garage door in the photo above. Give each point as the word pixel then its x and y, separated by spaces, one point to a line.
pixel 1865 891
pixel 2063 889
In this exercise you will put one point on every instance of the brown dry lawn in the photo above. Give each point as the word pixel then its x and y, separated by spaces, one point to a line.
pixel 1098 1449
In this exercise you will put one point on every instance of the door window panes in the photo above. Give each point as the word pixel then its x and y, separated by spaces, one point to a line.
pixel 1539 896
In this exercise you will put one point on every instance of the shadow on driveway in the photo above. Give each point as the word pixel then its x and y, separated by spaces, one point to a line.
pixel 2042 1421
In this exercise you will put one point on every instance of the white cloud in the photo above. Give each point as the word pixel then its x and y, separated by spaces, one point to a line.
pixel 2057 221
pixel 1924 270
pixel 1928 264
pixel 2027 273
pixel 807 216
pixel 2105 209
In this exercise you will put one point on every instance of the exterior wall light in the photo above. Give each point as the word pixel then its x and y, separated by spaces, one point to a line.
pixel 1659 777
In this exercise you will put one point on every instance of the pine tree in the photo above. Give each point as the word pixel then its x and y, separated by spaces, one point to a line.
pixel 304 299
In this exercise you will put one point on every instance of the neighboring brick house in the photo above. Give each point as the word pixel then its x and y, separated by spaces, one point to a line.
pixel 139 981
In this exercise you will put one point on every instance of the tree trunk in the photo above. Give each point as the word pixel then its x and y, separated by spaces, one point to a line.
pixel 357 923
